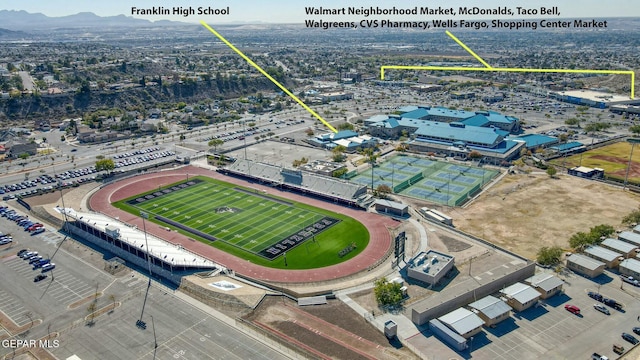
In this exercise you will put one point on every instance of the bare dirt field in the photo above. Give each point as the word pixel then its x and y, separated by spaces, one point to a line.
pixel 332 330
pixel 524 212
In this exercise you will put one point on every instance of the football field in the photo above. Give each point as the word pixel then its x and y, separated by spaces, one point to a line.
pixel 247 222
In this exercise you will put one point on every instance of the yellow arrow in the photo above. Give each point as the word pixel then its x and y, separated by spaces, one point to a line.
pixel 286 91
pixel 468 50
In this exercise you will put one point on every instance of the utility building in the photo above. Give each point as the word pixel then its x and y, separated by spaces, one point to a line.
pixel 491 310
pixel 520 296
pixel 546 284
pixel 585 265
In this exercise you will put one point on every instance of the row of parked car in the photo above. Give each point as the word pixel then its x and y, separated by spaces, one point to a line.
pixel 37 262
pixel 22 220
pixel 74 173
pixel 137 152
pixel 143 158
pixel 607 301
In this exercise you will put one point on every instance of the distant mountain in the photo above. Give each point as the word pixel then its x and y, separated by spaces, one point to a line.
pixel 5 33
pixel 24 21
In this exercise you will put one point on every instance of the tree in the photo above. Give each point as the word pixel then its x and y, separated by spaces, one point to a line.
pixel 632 218
pixel 474 155
pixel 383 190
pixel 345 126
pixel 549 255
pixel 601 231
pixel 215 143
pixel 91 309
pixel 340 172
pixel 580 240
pixel 112 298
pixel 551 171
pixel 635 129
pixel 105 165
pixel 387 293
pixel 572 121
pixel 402 147
pixel 338 153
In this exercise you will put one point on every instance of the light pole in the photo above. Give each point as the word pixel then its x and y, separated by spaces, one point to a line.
pixel 141 324
pixel 144 216
pixel 633 144
pixel 155 340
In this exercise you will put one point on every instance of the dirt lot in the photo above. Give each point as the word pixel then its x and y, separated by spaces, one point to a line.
pixel 332 329
pixel 527 211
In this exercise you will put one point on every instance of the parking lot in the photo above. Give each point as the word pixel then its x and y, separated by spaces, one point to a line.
pixel 549 331
pixel 183 331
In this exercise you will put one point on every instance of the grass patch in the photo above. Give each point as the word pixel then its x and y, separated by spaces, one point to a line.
pixel 252 225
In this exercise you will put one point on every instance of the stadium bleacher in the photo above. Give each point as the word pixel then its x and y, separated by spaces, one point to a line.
pixel 322 186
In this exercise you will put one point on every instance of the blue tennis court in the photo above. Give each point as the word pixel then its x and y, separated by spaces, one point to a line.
pixel 432 195
pixel 455 178
pixel 428 179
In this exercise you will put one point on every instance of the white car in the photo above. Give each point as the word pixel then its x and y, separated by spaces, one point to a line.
pixel 601 308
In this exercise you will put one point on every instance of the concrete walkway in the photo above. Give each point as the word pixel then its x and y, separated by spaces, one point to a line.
pixel 406 327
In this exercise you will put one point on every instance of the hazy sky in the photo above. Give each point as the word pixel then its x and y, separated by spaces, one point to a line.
pixel 292 11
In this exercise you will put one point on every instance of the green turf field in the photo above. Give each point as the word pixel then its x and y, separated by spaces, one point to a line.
pixel 250 224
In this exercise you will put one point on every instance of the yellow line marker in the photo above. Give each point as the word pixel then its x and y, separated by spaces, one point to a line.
pixel 459 68
pixel 468 50
pixel 286 91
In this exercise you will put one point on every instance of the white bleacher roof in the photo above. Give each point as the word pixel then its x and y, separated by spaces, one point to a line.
pixel 175 255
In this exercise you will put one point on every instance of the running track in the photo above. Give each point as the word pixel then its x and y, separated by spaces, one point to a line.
pixel 379 242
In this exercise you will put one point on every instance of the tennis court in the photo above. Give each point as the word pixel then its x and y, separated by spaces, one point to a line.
pixel 437 181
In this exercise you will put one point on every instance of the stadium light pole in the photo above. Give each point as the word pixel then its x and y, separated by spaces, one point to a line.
pixel 155 340
pixel 144 216
pixel 244 135
pixel 141 324
pixel 633 144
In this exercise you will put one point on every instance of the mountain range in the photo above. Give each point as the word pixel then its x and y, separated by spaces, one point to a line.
pixel 25 21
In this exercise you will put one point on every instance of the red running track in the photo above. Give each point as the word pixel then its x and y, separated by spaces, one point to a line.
pixel 379 242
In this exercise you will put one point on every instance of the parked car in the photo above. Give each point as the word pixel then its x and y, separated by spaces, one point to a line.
pixel 572 309
pixel 618 349
pixel 48 267
pixel 37 231
pixel 39 277
pixel 612 303
pixel 28 254
pixel 601 308
pixel 595 296
pixel 636 330
pixel 630 338
pixel 35 259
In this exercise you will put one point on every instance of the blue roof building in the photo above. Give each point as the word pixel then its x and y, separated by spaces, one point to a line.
pixel 453 132
pixel 533 141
